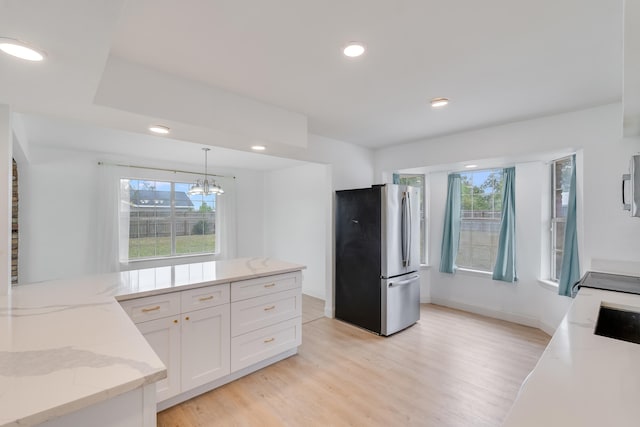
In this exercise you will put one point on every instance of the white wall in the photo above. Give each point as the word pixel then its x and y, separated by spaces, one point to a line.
pixel 605 231
pixel 249 211
pixel 296 218
pixel 58 214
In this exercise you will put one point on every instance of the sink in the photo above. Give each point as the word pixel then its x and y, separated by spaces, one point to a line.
pixel 619 323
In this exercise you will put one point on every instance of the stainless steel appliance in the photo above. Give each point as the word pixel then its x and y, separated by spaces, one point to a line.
pixel 378 257
pixel 631 201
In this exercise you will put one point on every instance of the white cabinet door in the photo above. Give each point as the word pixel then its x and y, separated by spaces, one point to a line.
pixel 205 346
pixel 163 335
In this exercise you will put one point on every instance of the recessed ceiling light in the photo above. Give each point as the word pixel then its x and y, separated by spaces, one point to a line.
pixel 258 147
pixel 160 129
pixel 439 102
pixel 353 49
pixel 470 166
pixel 20 49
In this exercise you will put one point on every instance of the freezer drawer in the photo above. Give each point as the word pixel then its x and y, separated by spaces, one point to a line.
pixel 400 303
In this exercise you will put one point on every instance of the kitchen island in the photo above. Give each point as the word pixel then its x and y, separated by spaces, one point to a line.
pixel 583 379
pixel 71 355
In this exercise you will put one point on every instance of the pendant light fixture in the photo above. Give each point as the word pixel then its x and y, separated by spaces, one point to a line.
pixel 205 187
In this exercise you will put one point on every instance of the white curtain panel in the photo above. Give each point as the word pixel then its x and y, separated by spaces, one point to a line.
pixel 108 233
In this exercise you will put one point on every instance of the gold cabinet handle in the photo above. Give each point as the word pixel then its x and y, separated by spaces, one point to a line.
pixel 175 320
pixel 269 340
pixel 146 310
pixel 270 285
pixel 271 307
pixel 205 298
pixel 186 318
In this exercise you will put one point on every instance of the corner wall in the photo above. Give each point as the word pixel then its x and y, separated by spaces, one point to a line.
pixel 607 233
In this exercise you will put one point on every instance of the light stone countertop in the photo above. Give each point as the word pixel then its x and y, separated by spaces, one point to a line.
pixel 583 379
pixel 67 344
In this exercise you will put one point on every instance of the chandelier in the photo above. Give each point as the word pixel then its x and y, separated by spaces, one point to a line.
pixel 205 187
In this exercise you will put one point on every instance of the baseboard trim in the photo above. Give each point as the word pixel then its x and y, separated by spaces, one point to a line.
pixel 546 328
pixel 509 317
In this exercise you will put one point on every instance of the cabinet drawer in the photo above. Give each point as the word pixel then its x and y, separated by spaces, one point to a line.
pixel 265 285
pixel 150 308
pixel 255 313
pixel 256 346
pixel 208 296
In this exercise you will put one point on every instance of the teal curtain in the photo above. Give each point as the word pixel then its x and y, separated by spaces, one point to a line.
pixel 570 272
pixel 505 267
pixel 396 178
pixel 451 232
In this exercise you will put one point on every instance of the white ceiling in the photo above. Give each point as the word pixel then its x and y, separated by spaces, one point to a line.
pixel 497 60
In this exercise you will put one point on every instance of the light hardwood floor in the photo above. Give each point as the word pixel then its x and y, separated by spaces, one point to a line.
pixel 450 369
pixel 312 308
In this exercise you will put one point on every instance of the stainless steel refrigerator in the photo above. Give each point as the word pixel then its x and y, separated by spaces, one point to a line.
pixel 377 254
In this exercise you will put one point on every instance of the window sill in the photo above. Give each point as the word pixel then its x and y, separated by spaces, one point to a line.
pixel 167 261
pixel 548 284
pixel 476 273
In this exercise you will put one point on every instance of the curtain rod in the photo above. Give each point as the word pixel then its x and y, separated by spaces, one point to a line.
pixel 164 170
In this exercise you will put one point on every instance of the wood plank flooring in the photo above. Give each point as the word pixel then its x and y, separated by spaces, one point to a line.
pixel 450 369
pixel 312 308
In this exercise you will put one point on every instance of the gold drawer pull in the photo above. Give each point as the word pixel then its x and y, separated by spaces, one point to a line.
pixel 269 308
pixel 270 285
pixel 146 310
pixel 205 298
pixel 268 340
pixel 175 320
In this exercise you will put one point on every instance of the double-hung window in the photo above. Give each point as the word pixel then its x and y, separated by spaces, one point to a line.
pixel 481 212
pixel 163 220
pixel 560 184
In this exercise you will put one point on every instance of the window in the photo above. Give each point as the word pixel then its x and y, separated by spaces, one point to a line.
pixel 417 181
pixel 481 206
pixel 164 220
pixel 560 184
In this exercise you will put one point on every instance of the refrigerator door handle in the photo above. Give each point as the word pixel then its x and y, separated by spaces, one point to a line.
pixel 409 231
pixel 405 233
pixel 404 282
pixel 403 230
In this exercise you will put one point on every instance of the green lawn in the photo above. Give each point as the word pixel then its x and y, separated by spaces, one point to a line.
pixel 147 247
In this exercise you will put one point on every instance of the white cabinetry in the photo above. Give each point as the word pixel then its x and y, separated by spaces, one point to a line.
pixel 192 342
pixel 205 348
pixel 265 318
pixel 211 335
pixel 163 335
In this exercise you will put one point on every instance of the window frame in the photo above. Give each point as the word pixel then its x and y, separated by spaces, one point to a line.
pixel 462 219
pixel 423 213
pixel 172 224
pixel 554 275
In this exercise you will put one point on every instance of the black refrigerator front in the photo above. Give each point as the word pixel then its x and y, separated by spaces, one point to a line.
pixel 376 240
pixel 358 251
